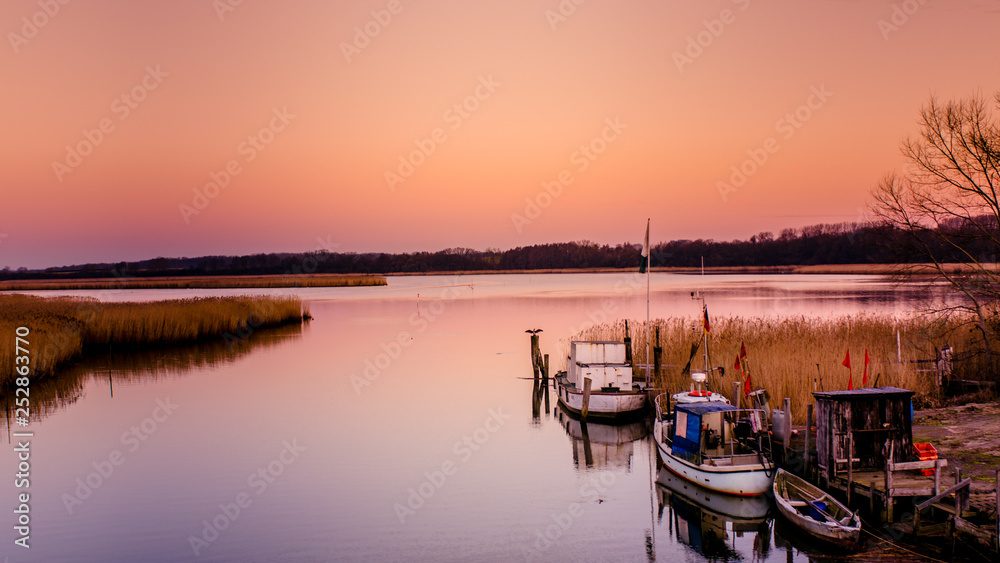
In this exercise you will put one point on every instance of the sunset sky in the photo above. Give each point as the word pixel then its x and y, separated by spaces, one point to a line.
pixel 311 111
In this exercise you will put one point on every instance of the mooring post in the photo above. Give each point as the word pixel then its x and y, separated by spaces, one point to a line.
pixel 850 464
pixel 787 438
pixel 534 356
pixel 809 418
pixel 937 477
pixel 958 493
pixel 888 484
pixel 657 355
pixel 545 370
pixel 628 347
pixel 586 398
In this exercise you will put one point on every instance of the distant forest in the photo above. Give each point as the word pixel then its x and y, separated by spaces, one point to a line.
pixel 839 243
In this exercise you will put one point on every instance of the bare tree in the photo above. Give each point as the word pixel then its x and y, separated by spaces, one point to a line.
pixel 945 204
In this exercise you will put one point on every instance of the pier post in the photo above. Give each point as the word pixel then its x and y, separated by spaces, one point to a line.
pixel 888 485
pixel 657 355
pixel 534 356
pixel 809 418
pixel 958 493
pixel 545 370
pixel 586 398
pixel 937 477
pixel 628 346
pixel 850 464
pixel 787 438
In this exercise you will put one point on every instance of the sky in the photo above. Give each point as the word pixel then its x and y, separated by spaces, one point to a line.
pixel 185 128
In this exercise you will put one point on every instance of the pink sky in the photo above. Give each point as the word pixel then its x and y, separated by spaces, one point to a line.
pixel 331 121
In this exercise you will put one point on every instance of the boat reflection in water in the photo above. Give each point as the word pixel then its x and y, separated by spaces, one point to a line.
pixel 718 526
pixel 602 446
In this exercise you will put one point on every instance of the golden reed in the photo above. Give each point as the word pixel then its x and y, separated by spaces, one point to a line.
pixel 792 357
pixel 64 327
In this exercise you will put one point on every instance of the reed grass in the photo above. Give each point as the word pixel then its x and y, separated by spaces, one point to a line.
pixel 197 282
pixel 792 357
pixel 63 328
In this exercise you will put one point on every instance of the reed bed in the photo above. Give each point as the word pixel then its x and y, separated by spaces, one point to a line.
pixel 197 282
pixel 63 328
pixel 792 357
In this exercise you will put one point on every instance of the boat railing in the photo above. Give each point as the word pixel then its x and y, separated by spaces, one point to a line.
pixel 661 406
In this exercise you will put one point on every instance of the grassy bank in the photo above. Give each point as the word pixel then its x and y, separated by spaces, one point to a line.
pixel 63 328
pixel 783 353
pixel 196 282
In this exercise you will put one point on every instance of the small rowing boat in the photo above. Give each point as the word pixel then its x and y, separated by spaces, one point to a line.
pixel 812 510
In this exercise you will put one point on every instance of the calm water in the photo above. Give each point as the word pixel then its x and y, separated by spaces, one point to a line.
pixel 390 428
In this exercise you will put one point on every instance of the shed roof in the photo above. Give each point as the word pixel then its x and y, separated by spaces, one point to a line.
pixel 862 394
pixel 706 407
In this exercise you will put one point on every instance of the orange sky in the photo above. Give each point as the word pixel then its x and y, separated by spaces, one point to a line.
pixel 312 125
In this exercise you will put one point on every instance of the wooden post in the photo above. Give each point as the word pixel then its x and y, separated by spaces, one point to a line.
pixel 657 355
pixel 997 491
pixel 937 477
pixel 787 438
pixel 850 464
pixel 545 370
pixel 809 418
pixel 871 499
pixel 628 347
pixel 888 484
pixel 958 494
pixel 586 398
pixel 534 356
pixel 736 394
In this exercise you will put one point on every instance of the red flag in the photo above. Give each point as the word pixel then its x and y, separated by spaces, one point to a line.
pixel 847 360
pixel 736 364
pixel 708 329
pixel 743 351
pixel 746 386
pixel 864 380
pixel 850 383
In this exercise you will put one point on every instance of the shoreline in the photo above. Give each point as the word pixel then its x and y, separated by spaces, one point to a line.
pixel 197 282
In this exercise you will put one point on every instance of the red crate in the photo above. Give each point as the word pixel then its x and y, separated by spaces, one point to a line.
pixel 925 452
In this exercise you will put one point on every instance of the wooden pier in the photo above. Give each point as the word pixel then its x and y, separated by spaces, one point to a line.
pixel 860 448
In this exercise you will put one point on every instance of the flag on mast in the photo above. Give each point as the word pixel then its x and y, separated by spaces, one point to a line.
pixel 708 328
pixel 850 372
pixel 644 260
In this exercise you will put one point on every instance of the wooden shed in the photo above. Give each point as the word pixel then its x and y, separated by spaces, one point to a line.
pixel 876 421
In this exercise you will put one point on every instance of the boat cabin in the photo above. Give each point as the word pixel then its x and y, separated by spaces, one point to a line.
pixel 602 361
pixel 716 433
pixel 876 420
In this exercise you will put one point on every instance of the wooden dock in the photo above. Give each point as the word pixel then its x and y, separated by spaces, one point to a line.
pixel 920 499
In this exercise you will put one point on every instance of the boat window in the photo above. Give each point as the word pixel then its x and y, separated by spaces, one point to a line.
pixel 680 425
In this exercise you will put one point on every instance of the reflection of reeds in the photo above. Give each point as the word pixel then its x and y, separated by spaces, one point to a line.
pixel 196 282
pixel 783 353
pixel 62 328
pixel 50 394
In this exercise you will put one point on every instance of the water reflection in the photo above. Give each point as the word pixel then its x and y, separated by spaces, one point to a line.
pixel 602 446
pixel 52 394
pixel 720 527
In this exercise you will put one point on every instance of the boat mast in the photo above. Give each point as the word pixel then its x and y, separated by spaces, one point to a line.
pixel 649 264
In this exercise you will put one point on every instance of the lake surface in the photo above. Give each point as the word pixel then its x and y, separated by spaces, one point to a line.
pixel 392 427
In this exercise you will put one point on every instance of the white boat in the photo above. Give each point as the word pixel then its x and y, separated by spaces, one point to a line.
pixel 815 512
pixel 612 394
pixel 715 445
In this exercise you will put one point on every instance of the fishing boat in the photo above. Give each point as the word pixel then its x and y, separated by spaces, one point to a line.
pixel 715 445
pixel 612 393
pixel 812 510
